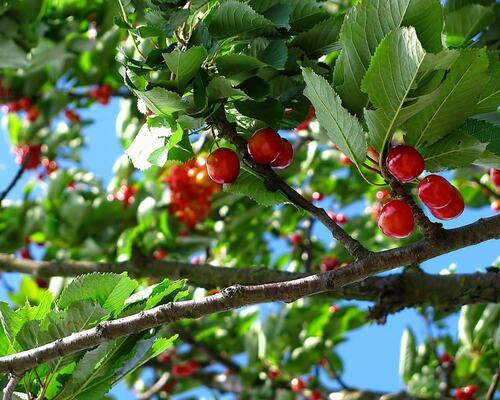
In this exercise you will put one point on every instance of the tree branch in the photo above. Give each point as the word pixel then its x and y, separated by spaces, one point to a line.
pixel 14 180
pixel 273 182
pixel 392 293
pixel 237 296
pixel 9 390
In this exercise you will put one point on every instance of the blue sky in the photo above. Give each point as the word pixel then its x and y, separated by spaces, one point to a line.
pixel 371 354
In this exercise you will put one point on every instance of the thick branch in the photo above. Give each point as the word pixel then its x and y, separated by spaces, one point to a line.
pixel 238 296
pixel 9 390
pixel 274 182
pixel 392 292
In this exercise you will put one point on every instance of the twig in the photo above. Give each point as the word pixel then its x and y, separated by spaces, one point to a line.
pixel 273 182
pixel 16 179
pixel 11 386
pixel 493 387
pixel 155 388
pixel 238 296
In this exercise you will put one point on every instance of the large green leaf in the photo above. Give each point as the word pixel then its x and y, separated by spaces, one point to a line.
pixel 343 128
pixel 364 28
pixel 11 54
pixel 388 81
pixel 321 39
pixel 468 21
pixel 234 64
pixel 457 99
pixel 253 187
pixel 161 101
pixel 485 132
pixel 233 18
pixel 269 111
pixel 184 65
pixel 221 88
pixel 109 290
pixel 455 150
pixel 489 100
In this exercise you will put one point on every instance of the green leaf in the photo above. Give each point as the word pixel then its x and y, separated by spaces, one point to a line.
pixel 161 101
pixel 343 128
pixel 234 64
pixel 161 291
pixel 11 54
pixel 148 144
pixel 221 88
pixel 453 151
pixel 485 132
pixel 233 18
pixel 251 186
pixel 466 323
pixel 275 54
pixel 321 39
pixel 407 365
pixel 269 111
pixel 279 15
pixel 388 81
pixel 364 28
pixel 468 21
pixel 109 290
pixel 185 64
pixel 489 100
pixel 456 101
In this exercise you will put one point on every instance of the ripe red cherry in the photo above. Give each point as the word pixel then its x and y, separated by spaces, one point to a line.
pixel 341 218
pixel 318 196
pixel 454 209
pixel 315 395
pixel 285 157
pixel 295 238
pixel 382 194
pixel 396 219
pixel 273 373
pixel 169 387
pixel 25 253
pixel 435 191
pixel 470 389
pixel 445 358
pixel 495 176
pixel 42 283
pixel 159 254
pixel 24 103
pixel 32 114
pixel 329 263
pixel 223 166
pixel 71 116
pixel 495 205
pixel 33 151
pixel 405 163
pixel 265 146
pixel 297 385
pixel 333 308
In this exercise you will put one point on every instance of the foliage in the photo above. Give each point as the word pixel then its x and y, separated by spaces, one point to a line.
pixel 378 72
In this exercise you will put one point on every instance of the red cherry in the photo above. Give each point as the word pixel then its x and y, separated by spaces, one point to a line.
pixel 341 218
pixel 445 358
pixel 33 151
pixel 329 263
pixel 297 385
pixel 495 205
pixel 285 157
pixel 295 238
pixel 24 103
pixel 169 387
pixel 454 209
pixel 42 283
pixel 373 153
pixel 333 308
pixel 315 395
pixel 435 191
pixel 470 389
pixel 106 90
pixel 273 373
pixel 159 254
pixel 460 395
pixel 13 107
pixel 166 356
pixel 192 365
pixel 318 196
pixel 104 100
pixel 71 116
pixel 382 194
pixel 95 93
pixel 305 124
pixel 223 166
pixel 495 176
pixel 344 160
pixel 32 114
pixel 264 146
pixel 25 253
pixel 405 163
pixel 50 165
pixel 396 219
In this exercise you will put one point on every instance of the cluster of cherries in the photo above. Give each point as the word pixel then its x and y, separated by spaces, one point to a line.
pixel 265 146
pixel 191 191
pixel 24 104
pixel 443 199
pixel 102 93
pixel 495 179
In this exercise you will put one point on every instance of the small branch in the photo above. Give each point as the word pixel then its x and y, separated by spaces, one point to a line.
pixel 158 385
pixel 11 386
pixel 14 180
pixel 493 387
pixel 273 182
pixel 306 255
pixel 238 296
